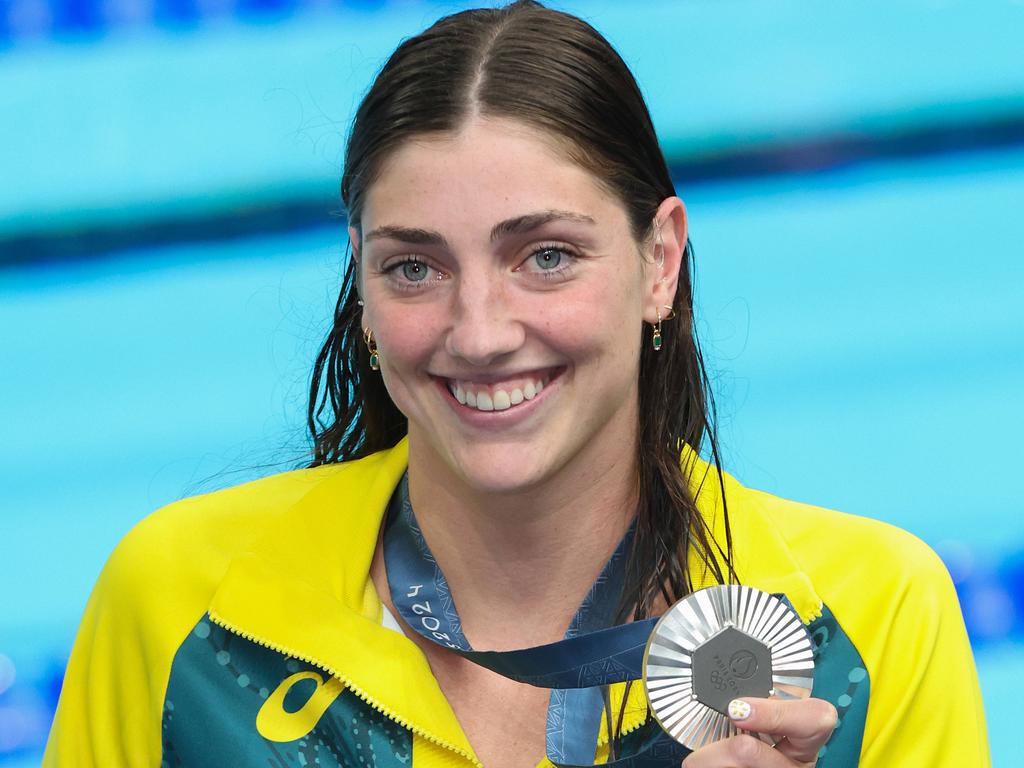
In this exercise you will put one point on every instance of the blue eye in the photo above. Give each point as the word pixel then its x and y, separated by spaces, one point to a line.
pixel 414 271
pixel 548 258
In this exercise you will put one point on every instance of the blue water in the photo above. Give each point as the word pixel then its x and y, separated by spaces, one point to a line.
pixel 198 117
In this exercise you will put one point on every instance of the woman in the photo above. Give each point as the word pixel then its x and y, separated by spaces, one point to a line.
pixel 511 398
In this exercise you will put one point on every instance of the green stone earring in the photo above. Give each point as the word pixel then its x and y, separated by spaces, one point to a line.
pixel 656 340
pixel 371 347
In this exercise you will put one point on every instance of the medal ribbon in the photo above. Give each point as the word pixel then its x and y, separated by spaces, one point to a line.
pixel 593 654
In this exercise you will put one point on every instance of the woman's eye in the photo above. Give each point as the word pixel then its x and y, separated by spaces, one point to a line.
pixel 554 262
pixel 548 258
pixel 411 273
pixel 414 271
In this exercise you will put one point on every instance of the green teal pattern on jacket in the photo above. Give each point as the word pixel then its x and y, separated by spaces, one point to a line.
pixel 227 693
pixel 841 678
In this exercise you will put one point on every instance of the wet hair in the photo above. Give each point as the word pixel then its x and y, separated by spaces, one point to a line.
pixel 555 73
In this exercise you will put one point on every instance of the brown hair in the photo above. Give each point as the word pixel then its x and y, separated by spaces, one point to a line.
pixel 556 73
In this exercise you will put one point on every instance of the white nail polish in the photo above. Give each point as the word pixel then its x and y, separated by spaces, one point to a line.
pixel 739 709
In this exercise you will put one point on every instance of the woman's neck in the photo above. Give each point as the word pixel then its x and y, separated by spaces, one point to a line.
pixel 519 564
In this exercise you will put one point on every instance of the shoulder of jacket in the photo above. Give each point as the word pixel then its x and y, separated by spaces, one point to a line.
pixel 234 514
pixel 859 565
pixel 186 546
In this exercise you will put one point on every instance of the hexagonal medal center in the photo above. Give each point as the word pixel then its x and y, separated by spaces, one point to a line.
pixel 730 664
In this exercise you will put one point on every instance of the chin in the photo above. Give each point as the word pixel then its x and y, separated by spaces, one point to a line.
pixel 500 472
pixel 490 464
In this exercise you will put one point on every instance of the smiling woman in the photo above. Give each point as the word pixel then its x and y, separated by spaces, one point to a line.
pixel 498 304
pixel 509 414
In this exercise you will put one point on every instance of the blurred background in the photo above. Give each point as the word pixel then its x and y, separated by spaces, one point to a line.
pixel 171 245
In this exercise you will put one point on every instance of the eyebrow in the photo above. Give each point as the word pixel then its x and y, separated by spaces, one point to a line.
pixel 406 235
pixel 531 221
pixel 515 226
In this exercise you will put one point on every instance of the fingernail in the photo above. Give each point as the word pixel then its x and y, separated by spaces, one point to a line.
pixel 739 709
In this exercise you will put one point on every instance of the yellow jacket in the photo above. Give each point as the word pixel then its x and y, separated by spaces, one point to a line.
pixel 241 628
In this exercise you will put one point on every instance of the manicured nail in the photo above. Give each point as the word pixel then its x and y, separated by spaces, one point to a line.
pixel 739 709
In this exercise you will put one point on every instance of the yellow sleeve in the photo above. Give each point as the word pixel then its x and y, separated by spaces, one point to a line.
pixel 893 598
pixel 144 603
pixel 105 713
pixel 925 709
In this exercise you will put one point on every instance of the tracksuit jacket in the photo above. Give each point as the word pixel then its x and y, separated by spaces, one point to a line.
pixel 241 628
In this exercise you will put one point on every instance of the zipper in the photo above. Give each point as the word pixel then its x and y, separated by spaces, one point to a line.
pixel 626 730
pixel 359 692
pixel 602 735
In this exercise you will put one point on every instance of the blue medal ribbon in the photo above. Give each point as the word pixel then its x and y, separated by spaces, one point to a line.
pixel 593 653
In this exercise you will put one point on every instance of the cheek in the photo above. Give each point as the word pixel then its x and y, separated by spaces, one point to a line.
pixel 604 320
pixel 406 346
pixel 406 336
pixel 410 339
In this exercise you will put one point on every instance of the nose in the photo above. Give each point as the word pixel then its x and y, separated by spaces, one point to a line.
pixel 485 325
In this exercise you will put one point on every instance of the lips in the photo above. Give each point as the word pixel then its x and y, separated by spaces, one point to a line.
pixel 501 395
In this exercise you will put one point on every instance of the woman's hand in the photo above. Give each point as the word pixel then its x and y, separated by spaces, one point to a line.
pixel 800 729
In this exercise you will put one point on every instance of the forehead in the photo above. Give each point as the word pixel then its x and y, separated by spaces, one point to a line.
pixel 489 171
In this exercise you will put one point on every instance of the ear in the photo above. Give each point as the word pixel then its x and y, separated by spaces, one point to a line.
pixel 665 256
pixel 353 239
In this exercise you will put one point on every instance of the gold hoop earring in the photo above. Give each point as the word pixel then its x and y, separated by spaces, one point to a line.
pixel 371 347
pixel 656 339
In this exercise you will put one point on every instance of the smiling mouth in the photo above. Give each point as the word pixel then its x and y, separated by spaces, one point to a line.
pixel 500 396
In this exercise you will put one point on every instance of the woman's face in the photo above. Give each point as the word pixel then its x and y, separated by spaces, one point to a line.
pixel 507 298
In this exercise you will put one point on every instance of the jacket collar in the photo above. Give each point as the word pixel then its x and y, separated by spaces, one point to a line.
pixel 303 588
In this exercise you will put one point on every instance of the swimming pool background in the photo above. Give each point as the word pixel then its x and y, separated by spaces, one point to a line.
pixel 864 321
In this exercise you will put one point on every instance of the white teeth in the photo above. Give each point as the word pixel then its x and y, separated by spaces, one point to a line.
pixel 499 399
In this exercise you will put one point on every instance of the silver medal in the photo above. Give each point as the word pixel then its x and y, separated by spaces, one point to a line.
pixel 715 645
